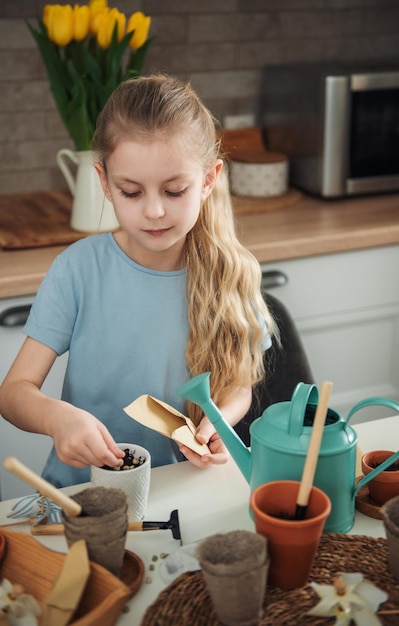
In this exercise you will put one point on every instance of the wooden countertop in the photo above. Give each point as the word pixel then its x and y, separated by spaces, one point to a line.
pixel 309 227
pixel 313 226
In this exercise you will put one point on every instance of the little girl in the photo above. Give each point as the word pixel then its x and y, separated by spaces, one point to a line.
pixel 170 295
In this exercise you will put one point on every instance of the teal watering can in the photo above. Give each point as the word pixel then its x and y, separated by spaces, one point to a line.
pixel 280 440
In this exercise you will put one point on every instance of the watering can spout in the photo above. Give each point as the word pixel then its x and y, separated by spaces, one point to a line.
pixel 197 390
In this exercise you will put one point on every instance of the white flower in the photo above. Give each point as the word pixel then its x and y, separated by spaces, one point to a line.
pixel 20 608
pixel 350 598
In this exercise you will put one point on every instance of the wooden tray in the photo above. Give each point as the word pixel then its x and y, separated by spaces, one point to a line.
pixel 34 220
pixel 35 567
pixel 365 504
pixel 243 205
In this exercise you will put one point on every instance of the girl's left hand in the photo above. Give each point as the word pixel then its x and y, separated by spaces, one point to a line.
pixel 206 434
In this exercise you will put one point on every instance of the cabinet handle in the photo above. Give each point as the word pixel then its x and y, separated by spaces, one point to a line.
pixel 15 315
pixel 272 279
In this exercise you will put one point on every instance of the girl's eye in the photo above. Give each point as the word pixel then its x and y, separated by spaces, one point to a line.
pixel 176 194
pixel 136 194
pixel 133 194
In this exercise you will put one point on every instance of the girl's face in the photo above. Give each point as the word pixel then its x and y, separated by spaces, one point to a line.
pixel 157 193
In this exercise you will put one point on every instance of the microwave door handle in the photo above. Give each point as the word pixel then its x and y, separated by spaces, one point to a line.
pixel 335 160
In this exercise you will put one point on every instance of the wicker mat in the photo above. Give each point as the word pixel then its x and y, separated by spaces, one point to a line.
pixel 186 601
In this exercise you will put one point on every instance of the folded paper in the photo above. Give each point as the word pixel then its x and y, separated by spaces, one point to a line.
pixel 165 420
pixel 68 589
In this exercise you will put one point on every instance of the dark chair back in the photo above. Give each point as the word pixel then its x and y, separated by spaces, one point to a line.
pixel 286 365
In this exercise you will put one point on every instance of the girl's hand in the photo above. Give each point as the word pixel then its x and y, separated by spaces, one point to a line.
pixel 80 439
pixel 206 434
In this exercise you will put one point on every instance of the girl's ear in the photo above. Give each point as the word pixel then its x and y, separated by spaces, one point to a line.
pixel 210 179
pixel 103 179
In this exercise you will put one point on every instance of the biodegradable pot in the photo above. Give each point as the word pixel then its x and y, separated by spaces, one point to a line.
pixel 390 518
pixel 234 566
pixel 134 482
pixel 102 524
pixel 292 544
pixel 386 485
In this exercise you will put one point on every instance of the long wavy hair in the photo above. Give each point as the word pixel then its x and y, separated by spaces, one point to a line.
pixel 226 311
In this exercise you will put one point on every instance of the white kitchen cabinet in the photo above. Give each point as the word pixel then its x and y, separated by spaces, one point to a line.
pixel 31 449
pixel 346 307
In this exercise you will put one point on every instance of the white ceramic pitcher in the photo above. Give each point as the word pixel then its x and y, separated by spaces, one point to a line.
pixel 91 210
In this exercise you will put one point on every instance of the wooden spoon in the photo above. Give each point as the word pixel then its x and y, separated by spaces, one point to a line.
pixel 313 451
pixel 45 488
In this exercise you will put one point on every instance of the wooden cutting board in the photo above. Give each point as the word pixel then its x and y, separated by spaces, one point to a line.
pixel 33 220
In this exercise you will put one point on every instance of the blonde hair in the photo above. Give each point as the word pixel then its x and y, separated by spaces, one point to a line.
pixel 226 311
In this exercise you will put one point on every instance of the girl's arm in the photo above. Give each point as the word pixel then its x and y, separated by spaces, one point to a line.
pixel 79 438
pixel 233 410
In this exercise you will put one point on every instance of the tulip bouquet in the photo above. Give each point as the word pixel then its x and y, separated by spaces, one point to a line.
pixel 87 51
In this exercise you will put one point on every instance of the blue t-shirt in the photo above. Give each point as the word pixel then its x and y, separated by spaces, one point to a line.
pixel 126 329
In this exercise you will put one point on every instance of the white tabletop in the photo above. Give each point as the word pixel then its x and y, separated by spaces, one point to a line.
pixel 209 501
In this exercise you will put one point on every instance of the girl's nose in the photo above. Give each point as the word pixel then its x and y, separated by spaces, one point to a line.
pixel 153 208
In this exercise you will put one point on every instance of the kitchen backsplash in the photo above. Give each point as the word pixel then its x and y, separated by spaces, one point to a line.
pixel 220 45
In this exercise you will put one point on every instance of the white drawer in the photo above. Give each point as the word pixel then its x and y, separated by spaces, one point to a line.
pixel 324 285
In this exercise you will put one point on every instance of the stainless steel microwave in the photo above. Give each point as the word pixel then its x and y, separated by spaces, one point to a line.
pixel 339 126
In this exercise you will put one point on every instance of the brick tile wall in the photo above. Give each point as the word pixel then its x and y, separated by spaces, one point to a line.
pixel 221 46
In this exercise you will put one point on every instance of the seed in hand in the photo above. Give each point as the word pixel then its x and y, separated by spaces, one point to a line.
pixel 130 461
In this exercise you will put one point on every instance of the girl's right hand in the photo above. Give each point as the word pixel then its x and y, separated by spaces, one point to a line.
pixel 80 439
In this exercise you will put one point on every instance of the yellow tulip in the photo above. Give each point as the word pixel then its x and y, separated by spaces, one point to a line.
pixel 140 23
pixel 59 26
pixel 120 19
pixel 80 21
pixel 106 24
pixel 95 21
pixel 48 8
pixel 96 8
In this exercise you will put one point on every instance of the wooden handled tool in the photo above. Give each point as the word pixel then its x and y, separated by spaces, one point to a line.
pixel 45 488
pixel 58 529
pixel 171 524
pixel 313 451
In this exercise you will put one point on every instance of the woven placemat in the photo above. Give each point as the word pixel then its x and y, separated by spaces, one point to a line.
pixel 186 601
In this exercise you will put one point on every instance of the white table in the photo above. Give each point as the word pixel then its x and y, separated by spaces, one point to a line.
pixel 209 501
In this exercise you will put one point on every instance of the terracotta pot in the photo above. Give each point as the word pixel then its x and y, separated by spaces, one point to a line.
pixel 2 545
pixel 292 544
pixel 386 485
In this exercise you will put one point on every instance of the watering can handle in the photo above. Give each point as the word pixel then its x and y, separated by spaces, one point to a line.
pixel 374 401
pixel 303 393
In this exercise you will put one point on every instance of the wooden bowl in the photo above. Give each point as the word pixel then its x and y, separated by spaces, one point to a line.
pixel 386 485
pixel 36 568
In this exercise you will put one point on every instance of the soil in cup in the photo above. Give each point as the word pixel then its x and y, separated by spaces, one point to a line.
pixel 130 461
pixel 392 468
pixel 283 515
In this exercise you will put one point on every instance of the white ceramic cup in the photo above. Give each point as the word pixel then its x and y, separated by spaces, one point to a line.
pixel 134 482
